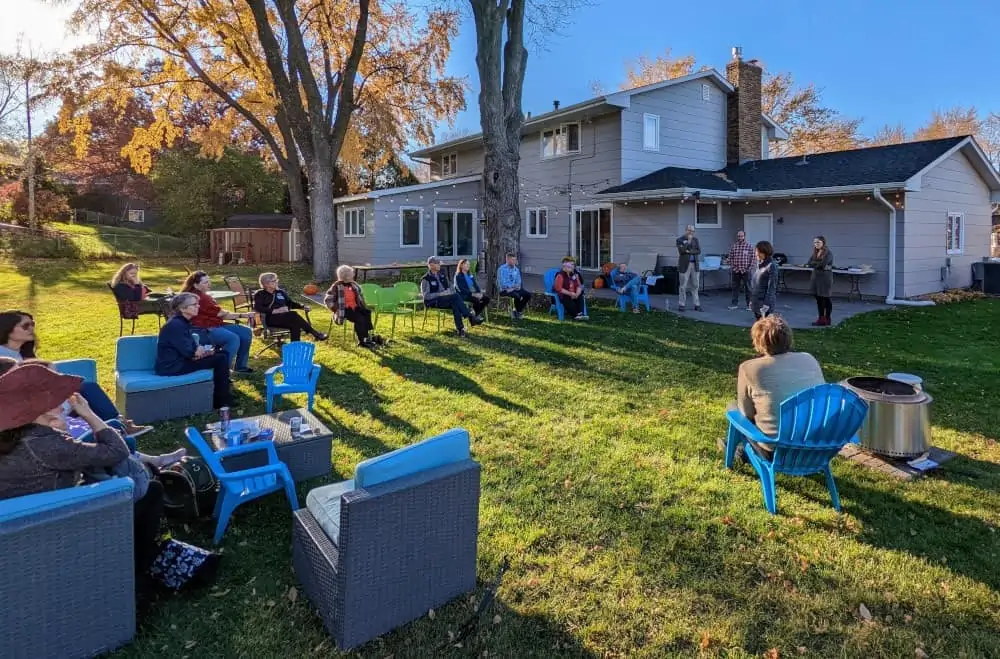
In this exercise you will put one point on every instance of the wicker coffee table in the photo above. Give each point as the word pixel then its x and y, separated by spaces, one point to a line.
pixel 306 456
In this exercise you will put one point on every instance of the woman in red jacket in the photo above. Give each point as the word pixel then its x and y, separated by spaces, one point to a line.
pixel 235 339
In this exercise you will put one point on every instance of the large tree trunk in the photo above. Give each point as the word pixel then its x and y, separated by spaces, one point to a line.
pixel 500 85
pixel 324 235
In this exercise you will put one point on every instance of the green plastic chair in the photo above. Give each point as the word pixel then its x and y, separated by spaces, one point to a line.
pixel 409 294
pixel 390 301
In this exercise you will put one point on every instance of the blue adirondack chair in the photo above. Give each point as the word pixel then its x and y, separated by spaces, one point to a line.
pixel 813 425
pixel 642 297
pixel 299 374
pixel 246 485
pixel 557 305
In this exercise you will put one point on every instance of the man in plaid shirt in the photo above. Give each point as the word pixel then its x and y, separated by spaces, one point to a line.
pixel 741 260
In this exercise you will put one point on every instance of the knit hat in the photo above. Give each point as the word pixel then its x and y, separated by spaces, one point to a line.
pixel 28 391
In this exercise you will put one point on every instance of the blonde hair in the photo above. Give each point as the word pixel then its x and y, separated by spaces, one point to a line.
pixel 458 268
pixel 117 279
pixel 266 276
pixel 771 335
pixel 344 270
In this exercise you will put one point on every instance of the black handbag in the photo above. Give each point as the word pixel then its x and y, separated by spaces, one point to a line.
pixel 189 489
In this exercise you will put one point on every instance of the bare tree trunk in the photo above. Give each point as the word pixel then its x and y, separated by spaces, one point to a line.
pixel 501 79
pixel 32 220
pixel 324 236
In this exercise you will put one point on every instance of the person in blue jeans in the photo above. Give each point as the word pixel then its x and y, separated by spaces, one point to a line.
pixel 235 339
pixel 178 351
pixel 436 292
pixel 18 342
pixel 626 282
pixel 468 288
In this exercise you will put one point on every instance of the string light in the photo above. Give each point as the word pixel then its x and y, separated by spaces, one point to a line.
pixel 841 201
pixel 790 201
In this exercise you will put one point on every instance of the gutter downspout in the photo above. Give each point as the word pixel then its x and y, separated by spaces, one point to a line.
pixel 891 298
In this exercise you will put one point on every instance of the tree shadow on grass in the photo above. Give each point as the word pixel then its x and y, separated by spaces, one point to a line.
pixel 437 376
pixel 438 348
pixel 356 395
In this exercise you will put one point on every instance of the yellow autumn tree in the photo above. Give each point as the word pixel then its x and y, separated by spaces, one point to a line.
pixel 313 83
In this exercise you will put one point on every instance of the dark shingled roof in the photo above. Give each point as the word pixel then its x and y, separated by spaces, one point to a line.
pixel 260 221
pixel 881 164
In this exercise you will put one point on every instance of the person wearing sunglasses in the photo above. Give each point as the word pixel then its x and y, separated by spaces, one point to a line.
pixel 18 342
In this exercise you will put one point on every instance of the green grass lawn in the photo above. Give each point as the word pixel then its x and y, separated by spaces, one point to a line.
pixel 88 241
pixel 602 483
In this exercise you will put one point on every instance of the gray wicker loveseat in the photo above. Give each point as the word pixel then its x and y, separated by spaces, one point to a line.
pixel 377 552
pixel 144 396
pixel 67 587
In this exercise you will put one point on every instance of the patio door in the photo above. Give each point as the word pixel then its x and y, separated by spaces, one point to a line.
pixel 592 237
pixel 455 233
pixel 758 227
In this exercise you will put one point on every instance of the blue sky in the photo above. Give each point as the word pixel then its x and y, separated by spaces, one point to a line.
pixel 886 61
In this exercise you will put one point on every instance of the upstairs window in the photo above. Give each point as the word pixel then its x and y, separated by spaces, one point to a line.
pixel 449 164
pixel 538 223
pixel 651 132
pixel 708 215
pixel 561 141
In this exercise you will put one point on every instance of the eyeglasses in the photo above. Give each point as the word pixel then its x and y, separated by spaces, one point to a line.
pixel 26 325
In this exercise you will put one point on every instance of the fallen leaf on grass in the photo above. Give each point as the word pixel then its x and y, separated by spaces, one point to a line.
pixel 727 520
pixel 431 614
pixel 865 614
pixel 497 619
pixel 802 649
pixel 293 594
pixel 706 640
pixel 270 602
pixel 772 654
pixel 920 654
pixel 190 644
pixel 907 618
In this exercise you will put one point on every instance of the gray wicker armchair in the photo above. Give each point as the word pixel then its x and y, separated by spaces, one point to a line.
pixel 378 552
pixel 67 588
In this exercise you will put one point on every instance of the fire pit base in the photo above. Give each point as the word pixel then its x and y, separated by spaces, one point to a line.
pixel 895 467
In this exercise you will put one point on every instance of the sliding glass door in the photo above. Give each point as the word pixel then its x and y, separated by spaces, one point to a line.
pixel 455 233
pixel 592 236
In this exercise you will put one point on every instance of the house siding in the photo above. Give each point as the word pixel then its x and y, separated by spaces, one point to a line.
pixel 561 184
pixel 462 196
pixel 692 130
pixel 647 228
pixel 952 186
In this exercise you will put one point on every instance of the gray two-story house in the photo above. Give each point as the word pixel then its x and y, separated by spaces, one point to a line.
pixel 627 172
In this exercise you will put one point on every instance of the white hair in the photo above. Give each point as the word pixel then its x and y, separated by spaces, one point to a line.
pixel 344 270
pixel 266 276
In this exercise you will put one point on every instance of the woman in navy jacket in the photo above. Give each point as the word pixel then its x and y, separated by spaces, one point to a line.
pixel 468 288
pixel 178 351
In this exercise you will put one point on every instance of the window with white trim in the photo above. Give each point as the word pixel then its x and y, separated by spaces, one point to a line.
pixel 708 214
pixel 955 233
pixel 354 223
pixel 561 141
pixel 650 132
pixel 538 223
pixel 411 227
pixel 137 215
pixel 449 164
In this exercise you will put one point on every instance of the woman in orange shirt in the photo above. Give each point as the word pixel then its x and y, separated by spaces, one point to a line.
pixel 346 301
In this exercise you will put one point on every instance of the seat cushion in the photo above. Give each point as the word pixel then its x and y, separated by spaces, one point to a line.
pixel 135 353
pixel 446 448
pixel 324 504
pixel 133 381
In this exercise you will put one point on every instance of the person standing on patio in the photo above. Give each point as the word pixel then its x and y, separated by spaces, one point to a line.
pixel 626 282
pixel 346 301
pixel 689 269
pixel 821 280
pixel 764 282
pixel 509 282
pixel 436 293
pixel 277 307
pixel 741 260
pixel 569 287
pixel 468 288
pixel 236 339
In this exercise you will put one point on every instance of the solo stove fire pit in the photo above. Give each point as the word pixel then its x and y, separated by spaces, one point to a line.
pixel 898 421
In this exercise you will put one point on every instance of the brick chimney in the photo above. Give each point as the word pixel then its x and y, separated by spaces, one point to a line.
pixel 743 110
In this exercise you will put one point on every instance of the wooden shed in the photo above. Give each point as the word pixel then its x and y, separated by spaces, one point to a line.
pixel 259 238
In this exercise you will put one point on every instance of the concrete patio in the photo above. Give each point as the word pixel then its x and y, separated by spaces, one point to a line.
pixel 797 309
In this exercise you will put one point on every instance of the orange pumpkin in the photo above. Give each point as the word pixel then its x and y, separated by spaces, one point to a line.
pixel 311 289
pixel 599 282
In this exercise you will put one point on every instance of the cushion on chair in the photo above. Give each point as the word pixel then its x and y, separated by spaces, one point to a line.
pixel 446 448
pixel 133 381
pixel 324 504
pixel 135 353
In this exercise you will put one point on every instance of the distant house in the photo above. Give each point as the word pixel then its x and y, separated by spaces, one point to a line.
pixel 257 238
pixel 627 172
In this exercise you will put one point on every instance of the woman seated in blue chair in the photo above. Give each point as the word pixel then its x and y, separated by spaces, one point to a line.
pixel 627 283
pixel 568 286
pixel 468 288
pixel 775 374
pixel 180 350
pixel 18 342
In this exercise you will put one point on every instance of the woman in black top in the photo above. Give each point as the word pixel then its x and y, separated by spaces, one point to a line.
pixel 129 289
pixel 275 305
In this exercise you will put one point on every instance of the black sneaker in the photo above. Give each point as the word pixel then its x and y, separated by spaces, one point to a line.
pixel 321 337
pixel 244 370
pixel 367 343
pixel 476 320
pixel 462 334
pixel 379 340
